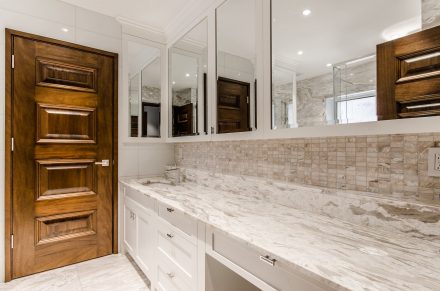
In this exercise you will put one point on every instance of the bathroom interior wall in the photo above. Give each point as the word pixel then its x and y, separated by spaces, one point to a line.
pixel 48 18
pixel 430 13
pixel 394 165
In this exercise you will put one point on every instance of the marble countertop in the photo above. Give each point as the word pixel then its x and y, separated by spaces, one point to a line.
pixel 345 254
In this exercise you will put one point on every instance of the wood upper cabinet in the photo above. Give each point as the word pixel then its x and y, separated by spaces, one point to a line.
pixel 408 72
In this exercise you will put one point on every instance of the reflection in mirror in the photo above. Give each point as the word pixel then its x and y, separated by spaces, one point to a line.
pixel 144 89
pixel 188 82
pixel 236 57
pixel 134 105
pixel 323 57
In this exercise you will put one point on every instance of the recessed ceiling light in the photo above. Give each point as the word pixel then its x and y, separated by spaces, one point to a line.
pixel 65 29
pixel 174 83
pixel 307 12
pixel 204 66
pixel 187 75
pixel 300 53
pixel 239 74
pixel 329 65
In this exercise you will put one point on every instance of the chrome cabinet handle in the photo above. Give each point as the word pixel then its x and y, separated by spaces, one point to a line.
pixel 104 163
pixel 170 209
pixel 268 260
pixel 170 235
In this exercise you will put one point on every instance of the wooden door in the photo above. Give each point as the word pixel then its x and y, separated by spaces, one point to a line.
pixel 183 120
pixel 232 106
pixel 408 76
pixel 63 126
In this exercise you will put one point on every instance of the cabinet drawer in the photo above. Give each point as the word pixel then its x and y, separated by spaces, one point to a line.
pixel 169 278
pixel 142 199
pixel 274 273
pixel 175 245
pixel 178 219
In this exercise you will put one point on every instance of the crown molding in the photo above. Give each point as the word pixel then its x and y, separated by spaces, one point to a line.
pixel 186 17
pixel 137 24
pixel 142 30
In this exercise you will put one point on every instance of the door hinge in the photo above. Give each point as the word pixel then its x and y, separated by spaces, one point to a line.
pixel 12 144
pixel 13 61
pixel 12 241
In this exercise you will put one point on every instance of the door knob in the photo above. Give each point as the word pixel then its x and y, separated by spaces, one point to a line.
pixel 104 163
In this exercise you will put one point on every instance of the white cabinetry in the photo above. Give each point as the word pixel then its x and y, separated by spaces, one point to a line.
pixel 130 227
pixel 170 247
pixel 163 242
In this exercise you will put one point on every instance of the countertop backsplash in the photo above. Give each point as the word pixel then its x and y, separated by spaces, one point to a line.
pixel 395 166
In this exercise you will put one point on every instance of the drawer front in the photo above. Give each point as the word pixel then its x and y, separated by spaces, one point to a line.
pixel 142 199
pixel 178 219
pixel 274 273
pixel 175 245
pixel 169 278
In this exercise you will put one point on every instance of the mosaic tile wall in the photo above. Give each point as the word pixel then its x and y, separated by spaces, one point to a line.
pixel 393 165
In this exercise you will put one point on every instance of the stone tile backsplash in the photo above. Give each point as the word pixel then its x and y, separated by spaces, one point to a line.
pixel 394 165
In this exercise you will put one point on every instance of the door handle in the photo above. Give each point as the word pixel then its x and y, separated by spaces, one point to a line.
pixel 104 163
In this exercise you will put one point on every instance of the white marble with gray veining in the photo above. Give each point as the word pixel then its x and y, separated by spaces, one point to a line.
pixel 347 240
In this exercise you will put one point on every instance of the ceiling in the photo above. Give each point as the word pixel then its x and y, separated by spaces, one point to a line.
pixel 154 13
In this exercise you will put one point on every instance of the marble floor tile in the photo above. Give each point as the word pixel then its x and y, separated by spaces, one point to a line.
pixel 110 273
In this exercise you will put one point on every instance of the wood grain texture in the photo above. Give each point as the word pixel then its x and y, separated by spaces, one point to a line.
pixel 8 156
pixel 232 106
pixel 64 172
pixel 408 76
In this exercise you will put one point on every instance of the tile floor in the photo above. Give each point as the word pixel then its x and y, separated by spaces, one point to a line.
pixel 115 272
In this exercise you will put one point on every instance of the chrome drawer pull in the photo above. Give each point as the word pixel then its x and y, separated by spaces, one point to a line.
pixel 171 275
pixel 268 260
pixel 170 235
pixel 170 210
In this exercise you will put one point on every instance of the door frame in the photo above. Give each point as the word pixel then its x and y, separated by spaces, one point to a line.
pixel 10 34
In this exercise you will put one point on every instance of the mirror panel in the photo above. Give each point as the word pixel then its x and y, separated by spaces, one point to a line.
pixel 144 90
pixel 188 82
pixel 324 57
pixel 236 69
pixel 134 104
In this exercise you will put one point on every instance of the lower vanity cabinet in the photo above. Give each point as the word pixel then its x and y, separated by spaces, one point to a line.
pixel 162 241
pixel 146 241
pixel 130 227
pixel 140 238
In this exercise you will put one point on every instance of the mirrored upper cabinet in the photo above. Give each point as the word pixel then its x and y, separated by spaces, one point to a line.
pixel 144 65
pixel 324 57
pixel 236 66
pixel 188 82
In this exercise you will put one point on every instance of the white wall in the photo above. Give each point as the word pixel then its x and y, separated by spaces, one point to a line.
pixel 47 18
